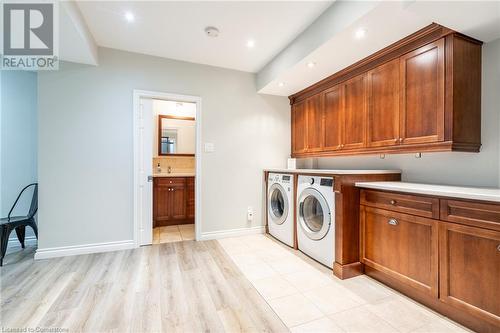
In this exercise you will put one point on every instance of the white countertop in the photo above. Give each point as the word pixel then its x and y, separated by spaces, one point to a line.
pixel 334 172
pixel 473 193
pixel 174 174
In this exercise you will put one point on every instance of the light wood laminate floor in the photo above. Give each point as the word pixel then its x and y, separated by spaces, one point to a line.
pixel 174 287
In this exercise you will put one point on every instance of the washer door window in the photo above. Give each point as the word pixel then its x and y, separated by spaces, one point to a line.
pixel 278 204
pixel 314 214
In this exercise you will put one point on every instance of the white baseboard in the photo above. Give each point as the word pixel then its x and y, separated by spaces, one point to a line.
pixel 63 251
pixel 28 241
pixel 233 232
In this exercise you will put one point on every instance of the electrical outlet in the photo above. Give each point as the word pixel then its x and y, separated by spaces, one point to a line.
pixel 250 214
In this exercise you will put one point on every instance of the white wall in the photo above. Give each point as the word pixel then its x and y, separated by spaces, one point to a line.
pixel 450 168
pixel 18 157
pixel 85 144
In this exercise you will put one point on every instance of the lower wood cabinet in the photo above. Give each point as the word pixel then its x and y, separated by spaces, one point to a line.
pixel 173 200
pixel 402 246
pixel 450 262
pixel 470 270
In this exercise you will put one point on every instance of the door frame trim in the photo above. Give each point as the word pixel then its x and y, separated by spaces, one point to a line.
pixel 137 95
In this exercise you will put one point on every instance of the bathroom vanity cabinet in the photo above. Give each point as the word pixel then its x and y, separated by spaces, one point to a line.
pixel 173 200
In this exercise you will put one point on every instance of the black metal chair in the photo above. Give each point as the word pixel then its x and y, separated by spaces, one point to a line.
pixel 19 223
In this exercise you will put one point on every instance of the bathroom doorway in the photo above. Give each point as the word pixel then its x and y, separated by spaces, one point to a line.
pixel 167 167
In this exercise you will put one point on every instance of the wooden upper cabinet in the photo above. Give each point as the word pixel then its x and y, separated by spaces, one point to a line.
pixel 422 94
pixel 383 105
pixel 355 103
pixel 470 270
pixel 314 113
pixel 299 127
pixel 332 118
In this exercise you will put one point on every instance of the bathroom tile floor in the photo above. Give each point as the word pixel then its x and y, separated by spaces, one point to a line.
pixel 173 233
pixel 308 298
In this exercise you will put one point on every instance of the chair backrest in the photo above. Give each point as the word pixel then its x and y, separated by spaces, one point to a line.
pixel 34 200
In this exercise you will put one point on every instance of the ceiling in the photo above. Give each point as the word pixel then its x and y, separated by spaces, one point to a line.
pixel 176 29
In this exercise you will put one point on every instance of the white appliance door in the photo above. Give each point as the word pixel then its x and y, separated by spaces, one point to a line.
pixel 146 171
pixel 278 205
pixel 314 214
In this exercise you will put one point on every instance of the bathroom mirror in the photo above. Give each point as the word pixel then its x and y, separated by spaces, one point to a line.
pixel 176 136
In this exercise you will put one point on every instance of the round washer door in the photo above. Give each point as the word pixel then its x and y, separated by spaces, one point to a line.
pixel 314 214
pixel 277 204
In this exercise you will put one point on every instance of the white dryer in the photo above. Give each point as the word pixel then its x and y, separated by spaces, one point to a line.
pixel 280 207
pixel 316 218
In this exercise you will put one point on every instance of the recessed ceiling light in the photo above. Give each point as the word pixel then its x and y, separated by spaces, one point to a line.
pixel 360 33
pixel 129 16
pixel 250 43
pixel 311 64
pixel 281 84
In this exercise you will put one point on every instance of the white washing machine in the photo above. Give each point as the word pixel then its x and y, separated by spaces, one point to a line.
pixel 316 218
pixel 280 207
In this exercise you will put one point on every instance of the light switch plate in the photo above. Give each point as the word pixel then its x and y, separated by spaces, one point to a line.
pixel 209 147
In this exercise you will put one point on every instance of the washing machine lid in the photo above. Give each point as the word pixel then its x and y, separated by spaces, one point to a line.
pixel 277 204
pixel 313 214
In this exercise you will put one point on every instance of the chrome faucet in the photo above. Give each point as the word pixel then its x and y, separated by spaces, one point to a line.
pixel 169 169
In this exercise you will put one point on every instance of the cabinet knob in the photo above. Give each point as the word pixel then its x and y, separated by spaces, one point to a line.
pixel 498 248
pixel 170 182
pixel 393 222
pixel 342 146
pixel 393 202
pixel 400 139
pixel 396 140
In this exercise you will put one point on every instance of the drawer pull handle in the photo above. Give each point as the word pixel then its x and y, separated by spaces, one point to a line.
pixel 393 202
pixel 393 222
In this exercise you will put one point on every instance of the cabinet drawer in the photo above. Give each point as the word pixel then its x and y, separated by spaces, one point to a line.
pixel 170 180
pixel 405 247
pixel 404 203
pixel 472 213
pixel 470 270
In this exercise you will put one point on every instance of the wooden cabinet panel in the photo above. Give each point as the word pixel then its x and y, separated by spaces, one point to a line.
pixel 161 211
pixel 404 203
pixel 422 94
pixel 470 270
pixel 473 213
pixel 299 127
pixel 354 130
pixel 402 246
pixel 190 193
pixel 383 105
pixel 178 202
pixel 332 118
pixel 314 131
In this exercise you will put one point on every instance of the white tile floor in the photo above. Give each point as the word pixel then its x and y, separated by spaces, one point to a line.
pixel 173 233
pixel 308 298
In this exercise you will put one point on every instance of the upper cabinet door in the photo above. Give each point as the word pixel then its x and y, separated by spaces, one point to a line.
pixel 314 123
pixel 332 118
pixel 299 127
pixel 355 105
pixel 422 94
pixel 383 105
